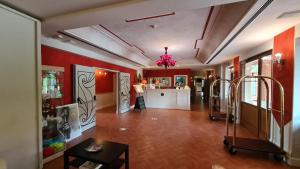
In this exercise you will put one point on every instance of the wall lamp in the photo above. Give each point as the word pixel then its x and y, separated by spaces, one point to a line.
pixel 278 58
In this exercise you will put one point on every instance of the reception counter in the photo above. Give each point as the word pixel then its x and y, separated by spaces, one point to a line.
pixel 167 98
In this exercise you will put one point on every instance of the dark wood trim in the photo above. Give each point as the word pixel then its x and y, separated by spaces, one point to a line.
pixel 260 55
pixel 143 52
pixel 207 21
pixel 95 46
pixel 139 49
pixel 258 12
pixel 150 17
pixel 197 53
pixel 196 42
pixel 116 35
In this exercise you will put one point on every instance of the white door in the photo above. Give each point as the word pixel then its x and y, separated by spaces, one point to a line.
pixel 84 95
pixel 124 92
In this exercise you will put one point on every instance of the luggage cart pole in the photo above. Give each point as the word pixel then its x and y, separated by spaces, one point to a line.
pixel 260 145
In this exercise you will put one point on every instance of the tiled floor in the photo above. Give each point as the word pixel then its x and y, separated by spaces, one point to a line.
pixel 173 139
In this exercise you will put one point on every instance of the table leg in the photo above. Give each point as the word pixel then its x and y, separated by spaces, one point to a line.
pixel 66 160
pixel 127 158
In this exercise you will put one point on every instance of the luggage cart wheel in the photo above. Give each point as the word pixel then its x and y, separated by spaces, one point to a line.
pixel 232 150
pixel 278 157
pixel 231 118
pixel 225 142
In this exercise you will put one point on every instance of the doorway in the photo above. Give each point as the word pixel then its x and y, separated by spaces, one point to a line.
pixel 253 104
pixel 106 91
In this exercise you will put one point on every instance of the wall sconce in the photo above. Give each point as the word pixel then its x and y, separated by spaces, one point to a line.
pixel 278 58
pixel 144 81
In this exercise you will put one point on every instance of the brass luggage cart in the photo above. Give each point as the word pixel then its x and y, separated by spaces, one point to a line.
pixel 214 108
pixel 256 144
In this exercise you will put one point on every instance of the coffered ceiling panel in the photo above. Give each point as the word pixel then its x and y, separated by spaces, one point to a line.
pixel 177 31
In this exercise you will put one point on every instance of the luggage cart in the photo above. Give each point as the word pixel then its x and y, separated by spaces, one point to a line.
pixel 213 115
pixel 233 142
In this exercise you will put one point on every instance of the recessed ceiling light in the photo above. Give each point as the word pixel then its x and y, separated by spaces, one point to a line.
pixel 153 26
pixel 60 36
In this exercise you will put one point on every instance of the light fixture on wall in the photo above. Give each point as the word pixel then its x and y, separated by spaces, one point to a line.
pixel 278 58
pixel 166 60
pixel 144 81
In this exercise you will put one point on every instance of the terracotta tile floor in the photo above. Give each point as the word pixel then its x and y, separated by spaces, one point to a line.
pixel 175 140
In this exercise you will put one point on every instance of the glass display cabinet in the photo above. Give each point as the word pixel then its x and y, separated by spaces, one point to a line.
pixel 52 96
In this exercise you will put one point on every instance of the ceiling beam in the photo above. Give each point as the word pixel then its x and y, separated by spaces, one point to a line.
pixel 227 18
pixel 207 22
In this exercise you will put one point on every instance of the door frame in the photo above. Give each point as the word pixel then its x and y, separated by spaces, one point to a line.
pixel 118 75
pixel 260 110
pixel 116 82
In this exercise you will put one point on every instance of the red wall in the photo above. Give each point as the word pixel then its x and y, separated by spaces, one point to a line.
pixel 236 67
pixel 104 81
pixel 168 73
pixel 284 43
pixel 56 57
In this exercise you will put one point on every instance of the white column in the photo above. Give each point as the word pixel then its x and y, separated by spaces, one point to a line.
pixel 295 131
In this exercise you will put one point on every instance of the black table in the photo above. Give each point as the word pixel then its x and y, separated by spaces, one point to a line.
pixel 109 156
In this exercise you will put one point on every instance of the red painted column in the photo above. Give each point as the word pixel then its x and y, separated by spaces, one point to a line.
pixel 236 67
pixel 284 73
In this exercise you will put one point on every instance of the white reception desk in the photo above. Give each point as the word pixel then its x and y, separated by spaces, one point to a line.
pixel 168 98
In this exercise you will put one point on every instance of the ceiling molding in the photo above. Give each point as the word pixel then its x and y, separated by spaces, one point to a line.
pixel 197 53
pixel 196 43
pixel 254 16
pixel 207 22
pixel 95 46
pixel 123 40
pixel 227 17
pixel 150 17
pixel 116 35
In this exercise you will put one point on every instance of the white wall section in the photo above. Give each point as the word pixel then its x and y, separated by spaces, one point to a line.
pixel 20 88
pixel 295 137
pixel 105 100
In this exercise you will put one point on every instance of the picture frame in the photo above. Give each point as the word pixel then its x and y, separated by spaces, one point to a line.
pixel 68 121
pixel 181 79
pixel 164 81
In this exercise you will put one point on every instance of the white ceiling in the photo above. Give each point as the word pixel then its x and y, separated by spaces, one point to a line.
pixel 178 32
pixel 49 8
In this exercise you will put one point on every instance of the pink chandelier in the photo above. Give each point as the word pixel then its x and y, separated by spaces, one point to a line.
pixel 166 60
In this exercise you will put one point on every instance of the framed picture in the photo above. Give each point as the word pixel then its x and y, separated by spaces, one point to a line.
pixel 68 121
pixel 163 81
pixel 180 80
